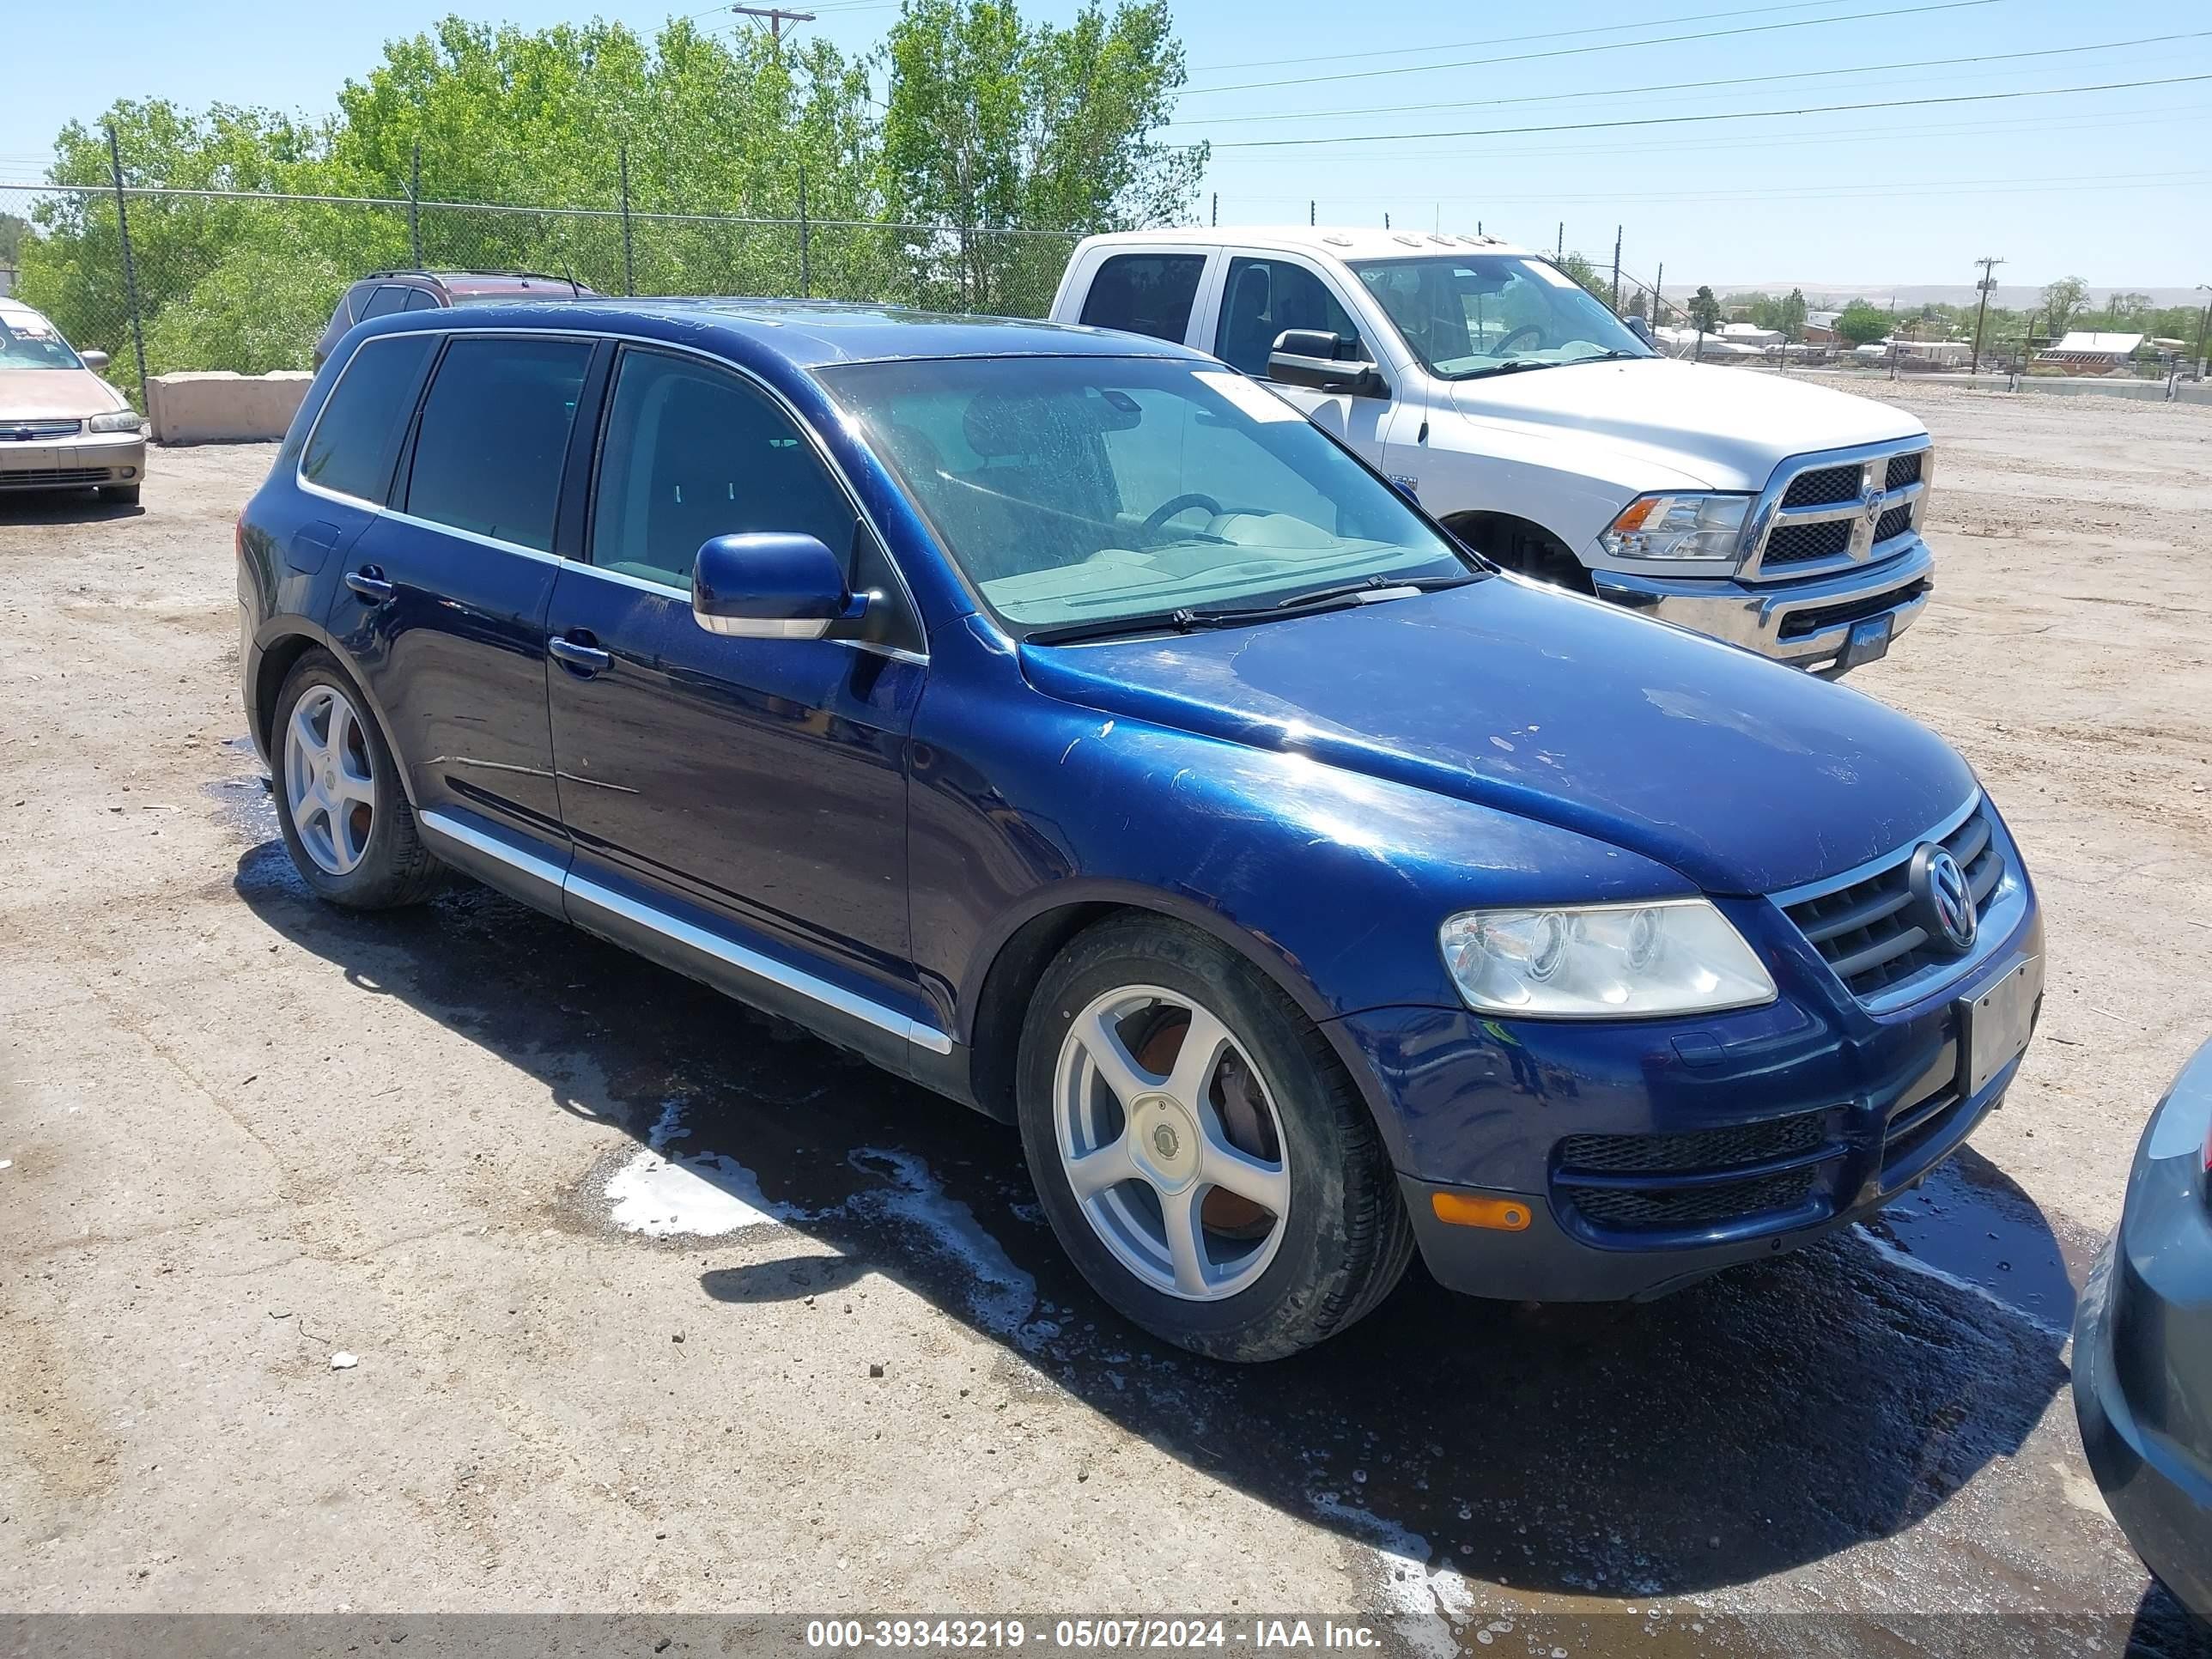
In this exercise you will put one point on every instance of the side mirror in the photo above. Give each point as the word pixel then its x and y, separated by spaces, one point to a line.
pixel 95 361
pixel 771 587
pixel 1312 357
pixel 1641 329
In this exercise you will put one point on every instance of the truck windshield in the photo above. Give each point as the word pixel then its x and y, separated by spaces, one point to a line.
pixel 1074 490
pixel 1486 313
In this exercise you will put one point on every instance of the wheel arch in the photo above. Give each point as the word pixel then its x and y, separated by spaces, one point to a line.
pixel 1521 544
pixel 1008 966
pixel 279 654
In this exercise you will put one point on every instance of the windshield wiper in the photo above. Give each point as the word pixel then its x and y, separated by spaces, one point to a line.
pixel 1152 621
pixel 1376 585
pixel 1510 366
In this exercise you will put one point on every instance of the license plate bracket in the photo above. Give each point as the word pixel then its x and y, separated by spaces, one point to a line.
pixel 1869 640
pixel 1994 1027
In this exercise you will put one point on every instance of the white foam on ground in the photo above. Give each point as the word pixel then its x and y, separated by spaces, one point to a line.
pixel 708 1196
pixel 1001 1296
pixel 1427 1608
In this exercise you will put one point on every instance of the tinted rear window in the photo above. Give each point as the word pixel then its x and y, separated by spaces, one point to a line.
pixel 494 435
pixel 1146 294
pixel 358 432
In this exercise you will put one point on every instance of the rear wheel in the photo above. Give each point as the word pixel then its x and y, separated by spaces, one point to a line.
pixel 345 817
pixel 1198 1149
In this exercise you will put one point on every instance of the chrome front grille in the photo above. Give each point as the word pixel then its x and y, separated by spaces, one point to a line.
pixel 29 432
pixel 1866 931
pixel 1829 511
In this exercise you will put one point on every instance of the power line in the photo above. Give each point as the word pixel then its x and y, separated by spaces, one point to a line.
pixel 2066 185
pixel 1513 40
pixel 1737 115
pixel 1577 52
pixel 1690 86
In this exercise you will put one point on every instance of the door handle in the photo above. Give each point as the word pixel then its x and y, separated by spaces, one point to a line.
pixel 576 653
pixel 369 581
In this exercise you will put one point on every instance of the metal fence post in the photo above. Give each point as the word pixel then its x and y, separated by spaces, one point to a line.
pixel 130 270
pixel 806 275
pixel 415 206
pixel 630 268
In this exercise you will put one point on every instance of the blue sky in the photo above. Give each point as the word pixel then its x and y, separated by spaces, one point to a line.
pixel 2112 186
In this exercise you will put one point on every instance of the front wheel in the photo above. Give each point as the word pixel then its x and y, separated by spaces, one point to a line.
pixel 1200 1151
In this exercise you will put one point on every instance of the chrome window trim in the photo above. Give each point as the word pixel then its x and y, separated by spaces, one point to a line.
pixel 691 937
pixel 829 462
pixel 299 462
pixel 1767 514
pixel 1880 861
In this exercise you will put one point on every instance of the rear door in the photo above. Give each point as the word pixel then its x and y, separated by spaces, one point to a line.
pixel 1152 292
pixel 1261 295
pixel 442 602
pixel 754 788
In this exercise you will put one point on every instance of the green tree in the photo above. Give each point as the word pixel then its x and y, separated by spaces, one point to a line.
pixel 1862 324
pixel 1705 310
pixel 13 230
pixel 2062 301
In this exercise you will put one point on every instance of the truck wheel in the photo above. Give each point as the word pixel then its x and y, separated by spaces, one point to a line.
pixel 345 817
pixel 1201 1153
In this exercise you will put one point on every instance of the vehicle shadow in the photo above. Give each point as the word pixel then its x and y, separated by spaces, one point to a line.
pixel 63 506
pixel 1765 1418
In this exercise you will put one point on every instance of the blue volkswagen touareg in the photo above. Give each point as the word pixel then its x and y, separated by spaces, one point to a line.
pixel 1061 720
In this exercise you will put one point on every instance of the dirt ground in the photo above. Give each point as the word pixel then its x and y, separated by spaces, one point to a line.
pixel 619 1261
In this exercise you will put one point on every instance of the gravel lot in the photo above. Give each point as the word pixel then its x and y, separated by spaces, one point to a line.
pixel 241 1132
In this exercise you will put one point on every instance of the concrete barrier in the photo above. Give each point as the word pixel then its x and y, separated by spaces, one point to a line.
pixel 224 407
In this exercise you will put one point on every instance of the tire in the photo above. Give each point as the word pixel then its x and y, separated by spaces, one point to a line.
pixel 121 494
pixel 386 867
pixel 1265 1282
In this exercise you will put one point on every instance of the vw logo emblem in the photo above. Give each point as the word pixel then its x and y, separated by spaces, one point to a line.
pixel 1945 903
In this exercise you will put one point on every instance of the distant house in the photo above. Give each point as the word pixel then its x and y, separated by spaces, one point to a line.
pixel 2087 349
pixel 1748 334
pixel 1820 327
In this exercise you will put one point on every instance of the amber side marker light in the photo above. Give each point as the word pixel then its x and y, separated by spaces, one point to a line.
pixel 1504 1215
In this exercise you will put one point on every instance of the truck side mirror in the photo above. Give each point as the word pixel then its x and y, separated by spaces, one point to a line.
pixel 1316 358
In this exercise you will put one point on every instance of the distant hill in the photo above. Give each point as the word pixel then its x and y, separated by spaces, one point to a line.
pixel 2010 296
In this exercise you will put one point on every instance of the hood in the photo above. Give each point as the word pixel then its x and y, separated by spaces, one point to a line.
pixel 55 394
pixel 1745 776
pixel 1725 427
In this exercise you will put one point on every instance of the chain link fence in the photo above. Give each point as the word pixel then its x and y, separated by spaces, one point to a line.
pixel 232 280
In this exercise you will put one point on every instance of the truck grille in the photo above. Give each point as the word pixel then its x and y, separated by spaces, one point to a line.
pixel 1895 522
pixel 1799 624
pixel 1682 1181
pixel 1824 487
pixel 1904 469
pixel 1863 930
pixel 1799 543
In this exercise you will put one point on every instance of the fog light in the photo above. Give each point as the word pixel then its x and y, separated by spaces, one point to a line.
pixel 1504 1215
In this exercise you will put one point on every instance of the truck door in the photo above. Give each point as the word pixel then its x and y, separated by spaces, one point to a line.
pixel 1260 297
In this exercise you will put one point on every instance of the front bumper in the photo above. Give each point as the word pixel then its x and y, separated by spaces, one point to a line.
pixel 83 462
pixel 1807 624
pixel 2142 1350
pixel 1647 1153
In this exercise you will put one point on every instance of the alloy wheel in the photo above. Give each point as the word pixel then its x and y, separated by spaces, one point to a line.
pixel 330 780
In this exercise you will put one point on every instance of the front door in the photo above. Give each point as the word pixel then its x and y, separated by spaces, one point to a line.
pixel 442 601
pixel 762 782
pixel 1261 298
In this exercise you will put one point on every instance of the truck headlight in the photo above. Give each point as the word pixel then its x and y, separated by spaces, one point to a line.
pixel 123 420
pixel 1603 961
pixel 1677 527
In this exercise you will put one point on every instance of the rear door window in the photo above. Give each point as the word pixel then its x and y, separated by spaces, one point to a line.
pixel 494 435
pixel 387 299
pixel 1146 294
pixel 1266 296
pixel 359 431
pixel 421 299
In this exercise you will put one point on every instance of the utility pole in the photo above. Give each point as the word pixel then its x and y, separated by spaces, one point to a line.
pixel 1989 264
pixel 777 17
pixel 1217 208
pixel 1310 213
pixel 2203 324
pixel 1560 251
pixel 1616 269
pixel 1658 287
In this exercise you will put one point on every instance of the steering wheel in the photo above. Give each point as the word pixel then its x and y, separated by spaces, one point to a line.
pixel 1505 344
pixel 1157 520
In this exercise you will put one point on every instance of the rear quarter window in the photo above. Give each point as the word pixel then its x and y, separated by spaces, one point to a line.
pixel 494 437
pixel 1146 294
pixel 358 432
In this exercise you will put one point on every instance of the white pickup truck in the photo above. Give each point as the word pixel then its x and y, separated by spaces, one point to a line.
pixel 1485 380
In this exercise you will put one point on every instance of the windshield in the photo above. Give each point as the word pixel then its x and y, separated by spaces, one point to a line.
pixel 31 342
pixel 1083 489
pixel 1466 315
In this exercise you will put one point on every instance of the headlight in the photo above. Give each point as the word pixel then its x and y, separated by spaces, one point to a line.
pixel 123 420
pixel 1603 961
pixel 1677 527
